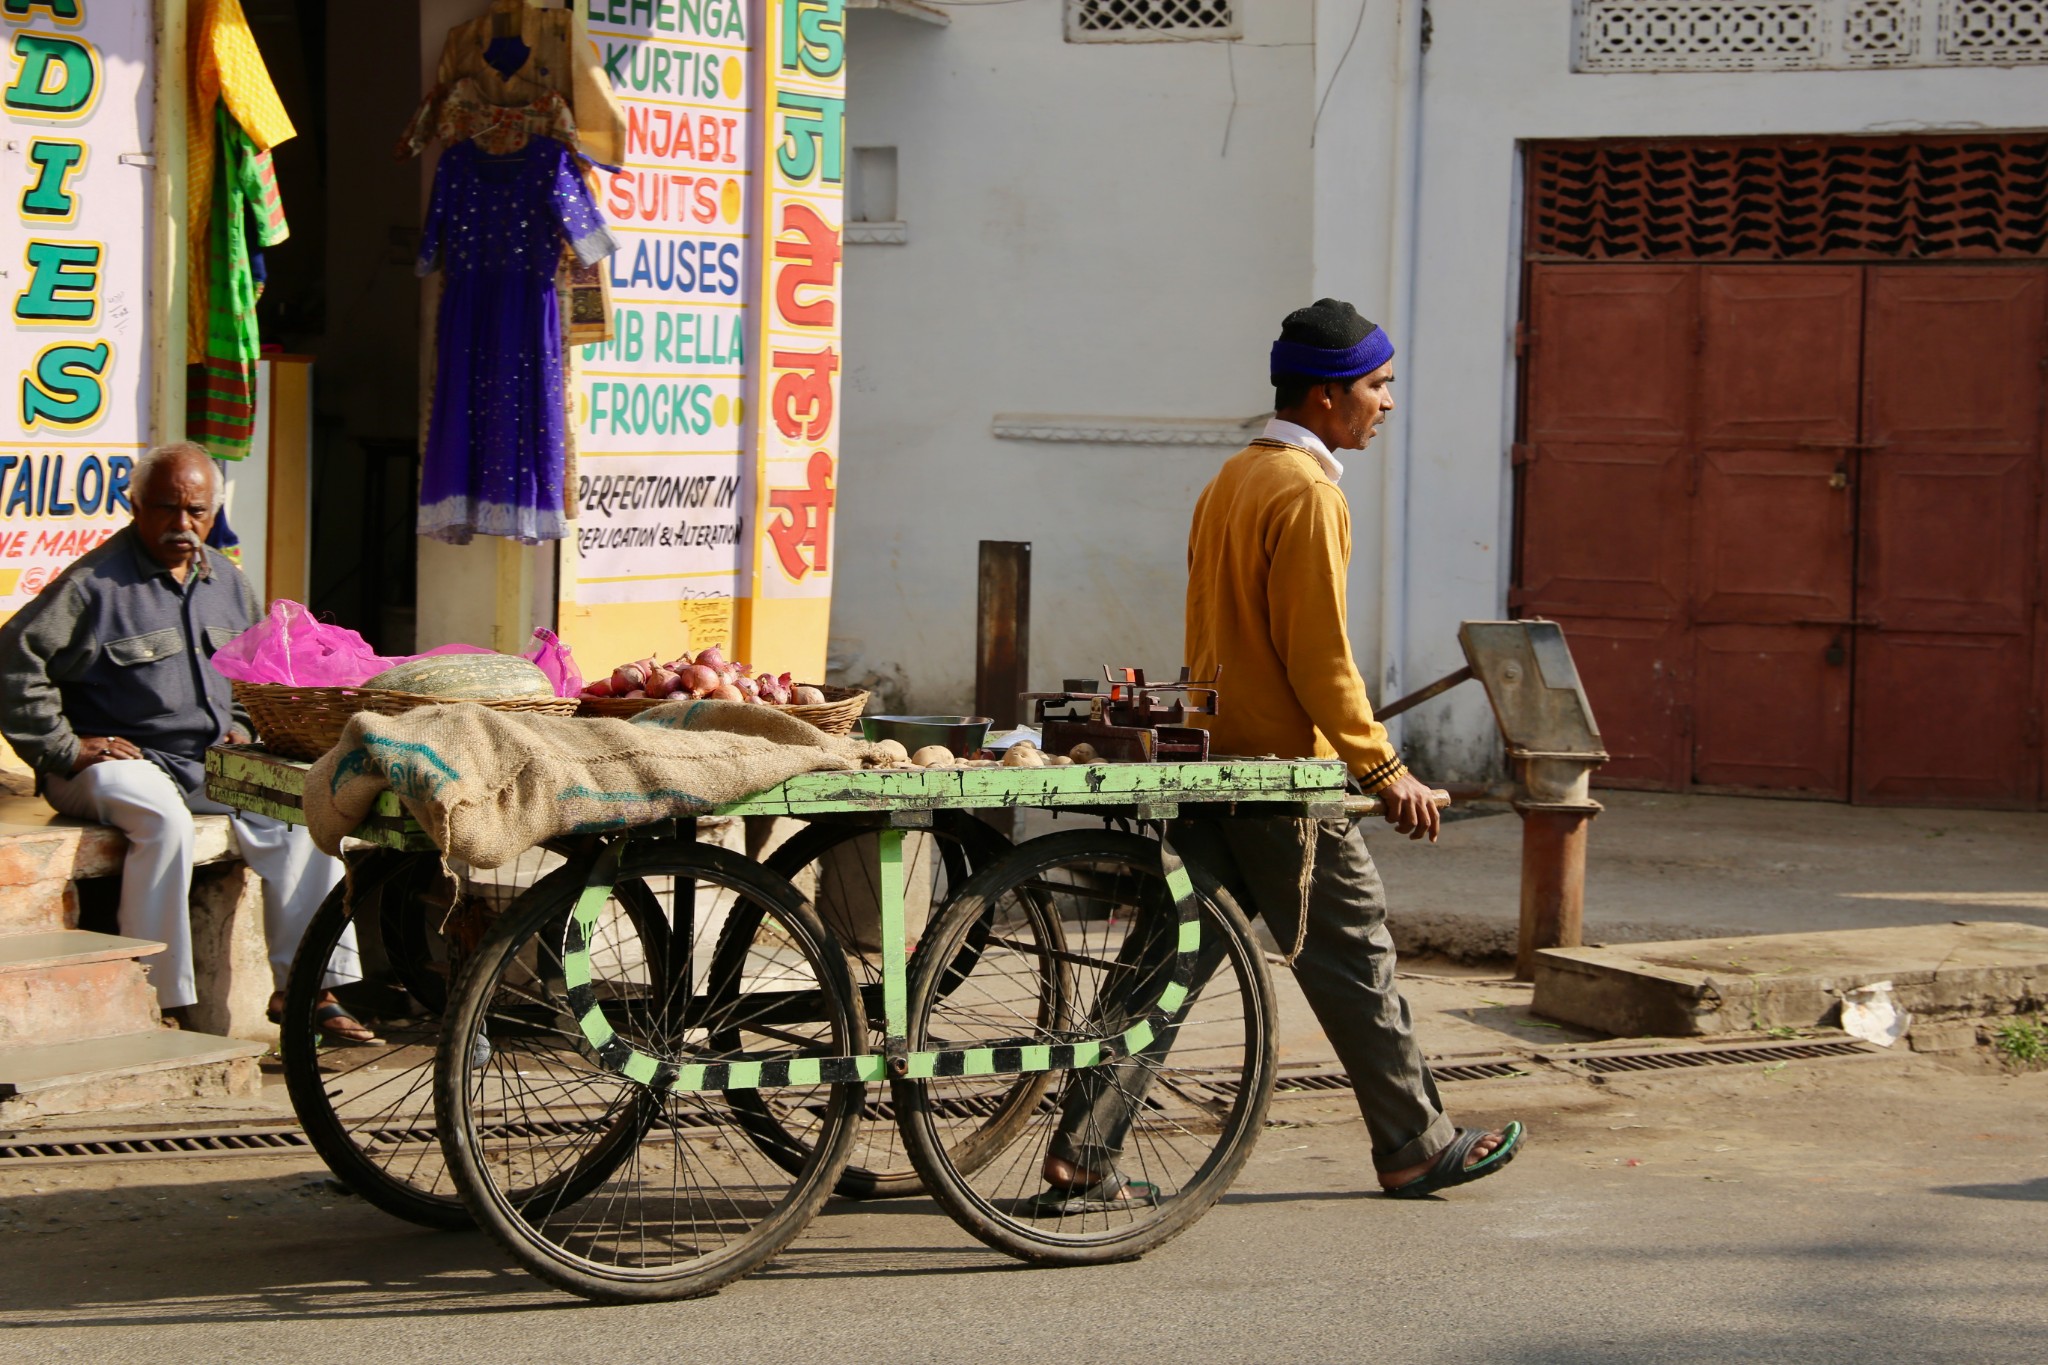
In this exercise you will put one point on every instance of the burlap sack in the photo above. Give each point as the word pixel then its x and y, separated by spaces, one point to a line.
pixel 489 785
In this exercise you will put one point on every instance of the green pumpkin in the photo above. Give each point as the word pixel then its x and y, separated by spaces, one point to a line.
pixel 466 677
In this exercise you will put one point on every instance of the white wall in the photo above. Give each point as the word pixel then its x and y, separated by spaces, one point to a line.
pixel 1368 55
pixel 1081 242
pixel 1499 71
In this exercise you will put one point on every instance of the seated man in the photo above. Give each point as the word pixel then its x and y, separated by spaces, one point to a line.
pixel 109 696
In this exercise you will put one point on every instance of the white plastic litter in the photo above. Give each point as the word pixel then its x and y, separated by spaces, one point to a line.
pixel 1870 1013
pixel 1009 737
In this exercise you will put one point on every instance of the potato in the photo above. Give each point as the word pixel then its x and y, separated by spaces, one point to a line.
pixel 891 751
pixel 1023 756
pixel 1083 753
pixel 934 756
pixel 1063 761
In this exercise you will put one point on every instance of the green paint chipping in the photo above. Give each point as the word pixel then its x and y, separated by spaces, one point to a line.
pixel 1179 885
pixel 802 1071
pixel 254 780
pixel 1173 997
pixel 596 1028
pixel 640 1068
pixel 576 972
pixel 895 969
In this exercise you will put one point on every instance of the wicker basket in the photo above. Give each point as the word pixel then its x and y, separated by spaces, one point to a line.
pixel 305 722
pixel 835 715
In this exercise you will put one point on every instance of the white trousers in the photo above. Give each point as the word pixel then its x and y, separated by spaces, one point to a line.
pixel 139 799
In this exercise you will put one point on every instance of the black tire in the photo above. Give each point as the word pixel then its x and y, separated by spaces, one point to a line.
pixel 368 1111
pixel 879 1167
pixel 1192 1104
pixel 630 1237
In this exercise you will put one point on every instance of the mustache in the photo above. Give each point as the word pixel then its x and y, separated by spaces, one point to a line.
pixel 184 538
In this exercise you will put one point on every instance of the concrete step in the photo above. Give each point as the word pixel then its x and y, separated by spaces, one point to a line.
pixel 129 1069
pixel 1696 987
pixel 67 985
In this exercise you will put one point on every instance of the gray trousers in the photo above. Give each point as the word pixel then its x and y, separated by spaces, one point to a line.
pixel 1346 969
pixel 137 798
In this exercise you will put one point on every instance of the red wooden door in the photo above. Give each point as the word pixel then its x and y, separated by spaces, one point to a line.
pixel 1773 542
pixel 1791 519
pixel 1604 522
pixel 1947 707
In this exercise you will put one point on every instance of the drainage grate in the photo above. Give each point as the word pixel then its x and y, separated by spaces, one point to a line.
pixel 1213 1087
pixel 1739 1054
pixel 1304 1084
pixel 198 1142
pixel 1478 1071
pixel 1324 1080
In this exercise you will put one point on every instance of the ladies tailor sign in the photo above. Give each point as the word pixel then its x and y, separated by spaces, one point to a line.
pixel 76 352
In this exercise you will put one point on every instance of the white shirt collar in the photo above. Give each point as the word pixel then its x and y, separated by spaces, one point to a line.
pixel 1279 429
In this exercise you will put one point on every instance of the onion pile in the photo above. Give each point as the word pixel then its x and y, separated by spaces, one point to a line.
pixel 709 675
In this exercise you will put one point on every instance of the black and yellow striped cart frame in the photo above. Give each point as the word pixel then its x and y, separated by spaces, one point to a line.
pixel 643 1061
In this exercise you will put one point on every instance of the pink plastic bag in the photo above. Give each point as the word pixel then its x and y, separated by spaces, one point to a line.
pixel 290 646
pixel 554 659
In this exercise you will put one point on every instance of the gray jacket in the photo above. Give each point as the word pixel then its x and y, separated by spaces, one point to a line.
pixel 116 646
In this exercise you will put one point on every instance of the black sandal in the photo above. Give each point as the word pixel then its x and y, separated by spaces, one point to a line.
pixel 1448 1167
pixel 1114 1191
pixel 332 1012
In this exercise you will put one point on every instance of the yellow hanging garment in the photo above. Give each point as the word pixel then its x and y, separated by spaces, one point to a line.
pixel 226 67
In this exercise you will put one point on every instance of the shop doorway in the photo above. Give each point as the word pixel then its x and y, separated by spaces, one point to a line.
pixel 1792 516
pixel 341 292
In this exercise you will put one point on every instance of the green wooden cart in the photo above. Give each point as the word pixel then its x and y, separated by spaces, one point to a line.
pixel 643 1061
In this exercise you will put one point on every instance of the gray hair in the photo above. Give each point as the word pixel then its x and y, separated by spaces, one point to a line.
pixel 162 457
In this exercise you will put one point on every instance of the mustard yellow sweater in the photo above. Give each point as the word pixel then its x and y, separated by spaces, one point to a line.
pixel 1266 562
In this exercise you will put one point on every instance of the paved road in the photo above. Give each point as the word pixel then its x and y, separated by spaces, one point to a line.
pixel 1863 1211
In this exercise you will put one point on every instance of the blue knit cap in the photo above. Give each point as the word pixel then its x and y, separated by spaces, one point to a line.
pixel 1328 340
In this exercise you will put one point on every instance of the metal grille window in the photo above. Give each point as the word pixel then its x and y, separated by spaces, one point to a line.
pixel 1146 21
pixel 1920 198
pixel 1806 35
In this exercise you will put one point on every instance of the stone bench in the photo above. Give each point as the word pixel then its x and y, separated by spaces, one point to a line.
pixel 44 856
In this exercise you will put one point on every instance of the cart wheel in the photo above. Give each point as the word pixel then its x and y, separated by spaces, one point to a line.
pixel 836 866
pixel 1176 1119
pixel 385 943
pixel 621 1190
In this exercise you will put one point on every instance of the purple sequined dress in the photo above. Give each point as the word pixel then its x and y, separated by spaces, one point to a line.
pixel 496 440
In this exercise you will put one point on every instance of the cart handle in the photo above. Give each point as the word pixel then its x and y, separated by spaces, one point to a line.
pixel 1355 806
